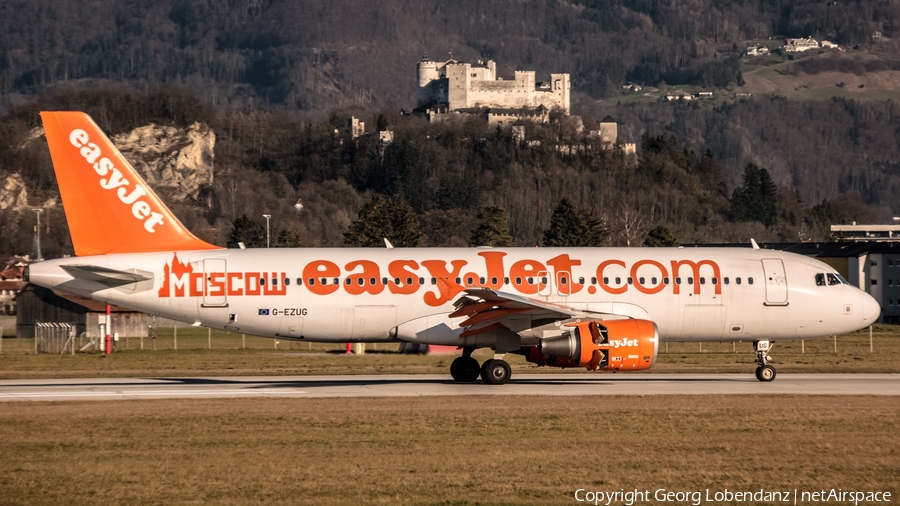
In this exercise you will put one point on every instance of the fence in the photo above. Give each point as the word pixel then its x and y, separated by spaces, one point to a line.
pixel 54 338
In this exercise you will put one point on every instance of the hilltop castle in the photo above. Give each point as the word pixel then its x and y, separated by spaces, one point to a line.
pixel 454 86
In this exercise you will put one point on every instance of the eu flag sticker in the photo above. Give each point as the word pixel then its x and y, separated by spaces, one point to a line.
pixel 263 312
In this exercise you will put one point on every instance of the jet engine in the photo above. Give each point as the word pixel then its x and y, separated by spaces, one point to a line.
pixel 614 345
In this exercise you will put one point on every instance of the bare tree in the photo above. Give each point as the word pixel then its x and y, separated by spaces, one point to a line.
pixel 629 226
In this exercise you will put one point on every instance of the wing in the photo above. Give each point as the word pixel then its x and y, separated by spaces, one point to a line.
pixel 486 310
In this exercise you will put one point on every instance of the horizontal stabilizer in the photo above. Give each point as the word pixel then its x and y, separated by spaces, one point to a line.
pixel 109 278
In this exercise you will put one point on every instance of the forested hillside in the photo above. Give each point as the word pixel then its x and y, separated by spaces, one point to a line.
pixel 821 149
pixel 318 55
pixel 447 173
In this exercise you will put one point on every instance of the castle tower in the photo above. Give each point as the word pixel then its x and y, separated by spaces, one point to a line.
pixel 356 127
pixel 458 84
pixel 561 88
pixel 525 89
pixel 428 73
pixel 609 130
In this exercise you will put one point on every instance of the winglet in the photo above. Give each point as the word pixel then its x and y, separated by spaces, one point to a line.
pixel 109 207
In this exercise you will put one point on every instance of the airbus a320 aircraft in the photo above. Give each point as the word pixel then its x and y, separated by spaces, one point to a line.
pixel 598 308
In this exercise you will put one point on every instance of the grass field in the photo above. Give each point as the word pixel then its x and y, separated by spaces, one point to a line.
pixel 263 357
pixel 448 451
pixel 774 75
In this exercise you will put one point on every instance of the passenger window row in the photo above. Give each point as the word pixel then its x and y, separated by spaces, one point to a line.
pixel 528 280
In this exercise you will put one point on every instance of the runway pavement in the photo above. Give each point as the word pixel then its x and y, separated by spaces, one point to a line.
pixel 440 385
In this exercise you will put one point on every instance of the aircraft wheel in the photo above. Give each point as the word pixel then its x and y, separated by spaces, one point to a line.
pixel 464 369
pixel 454 369
pixel 495 372
pixel 765 373
pixel 484 372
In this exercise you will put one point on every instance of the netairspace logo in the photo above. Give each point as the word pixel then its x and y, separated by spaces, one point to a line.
pixel 698 497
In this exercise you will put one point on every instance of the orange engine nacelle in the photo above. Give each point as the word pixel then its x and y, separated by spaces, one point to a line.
pixel 614 345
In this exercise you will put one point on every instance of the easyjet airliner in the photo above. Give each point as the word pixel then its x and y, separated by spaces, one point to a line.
pixel 598 308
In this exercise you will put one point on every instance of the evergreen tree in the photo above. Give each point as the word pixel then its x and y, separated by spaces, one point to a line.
pixel 286 238
pixel 756 198
pixel 382 123
pixel 247 231
pixel 712 175
pixel 823 215
pixel 382 218
pixel 571 227
pixel 456 193
pixel 493 230
pixel 660 237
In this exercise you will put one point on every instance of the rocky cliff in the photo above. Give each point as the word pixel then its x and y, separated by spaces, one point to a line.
pixel 175 162
pixel 13 193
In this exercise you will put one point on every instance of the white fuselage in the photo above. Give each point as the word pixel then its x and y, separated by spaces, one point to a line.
pixel 692 294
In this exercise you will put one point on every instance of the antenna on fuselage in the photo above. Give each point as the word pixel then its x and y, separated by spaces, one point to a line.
pixel 387 244
pixel 753 243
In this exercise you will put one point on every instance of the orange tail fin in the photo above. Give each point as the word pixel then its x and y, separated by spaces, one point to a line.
pixel 109 207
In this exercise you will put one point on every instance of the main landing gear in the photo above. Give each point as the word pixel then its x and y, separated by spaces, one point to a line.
pixel 465 369
pixel 495 372
pixel 764 371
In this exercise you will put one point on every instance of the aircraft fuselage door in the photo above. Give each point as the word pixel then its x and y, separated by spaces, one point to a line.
pixel 214 281
pixel 776 282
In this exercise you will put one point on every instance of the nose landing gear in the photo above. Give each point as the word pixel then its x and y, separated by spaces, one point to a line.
pixel 764 371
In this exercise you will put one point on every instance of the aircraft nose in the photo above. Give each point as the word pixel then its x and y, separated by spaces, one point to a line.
pixel 871 309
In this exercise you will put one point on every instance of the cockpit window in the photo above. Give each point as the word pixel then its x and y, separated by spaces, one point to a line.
pixel 820 279
pixel 841 279
pixel 833 279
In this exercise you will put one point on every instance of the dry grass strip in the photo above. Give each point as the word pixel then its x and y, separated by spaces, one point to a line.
pixel 447 450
